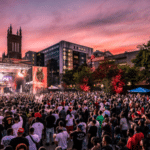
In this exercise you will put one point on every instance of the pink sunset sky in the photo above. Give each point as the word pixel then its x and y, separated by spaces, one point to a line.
pixel 114 25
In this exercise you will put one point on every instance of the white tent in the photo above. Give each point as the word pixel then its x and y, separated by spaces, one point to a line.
pixel 53 88
pixel 31 82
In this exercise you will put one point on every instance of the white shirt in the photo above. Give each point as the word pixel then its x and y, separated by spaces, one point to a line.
pixel 66 108
pixel 6 140
pixel 16 126
pixel 70 120
pixel 38 128
pixel 32 145
pixel 106 112
pixel 97 124
pixel 61 138
pixel 56 117
pixel 59 108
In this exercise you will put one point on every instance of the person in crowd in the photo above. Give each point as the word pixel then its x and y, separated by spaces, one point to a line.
pixel 38 129
pixel 69 121
pixel 92 133
pixel 7 122
pixel 61 138
pixel 123 125
pixel 17 124
pixel 19 140
pixel 138 136
pixel 96 144
pixel 60 127
pixel 33 139
pixel 106 143
pixel 61 119
pixel 6 139
pixel 50 120
pixel 78 137
pixel 131 143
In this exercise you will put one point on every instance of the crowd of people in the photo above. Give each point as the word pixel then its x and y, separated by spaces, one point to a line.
pixel 90 120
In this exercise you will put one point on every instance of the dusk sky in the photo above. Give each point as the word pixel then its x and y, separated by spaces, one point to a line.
pixel 114 25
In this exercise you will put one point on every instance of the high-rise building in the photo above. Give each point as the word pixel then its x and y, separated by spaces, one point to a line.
pixel 36 58
pixel 64 56
pixel 14 44
pixel 67 55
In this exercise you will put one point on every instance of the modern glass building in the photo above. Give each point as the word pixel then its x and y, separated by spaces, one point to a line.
pixel 67 55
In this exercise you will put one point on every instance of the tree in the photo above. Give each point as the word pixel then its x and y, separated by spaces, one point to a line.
pixel 68 77
pixel 83 77
pixel 107 69
pixel 143 57
pixel 143 60
pixel 131 74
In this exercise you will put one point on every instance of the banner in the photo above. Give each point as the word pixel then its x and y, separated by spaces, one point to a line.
pixel 39 75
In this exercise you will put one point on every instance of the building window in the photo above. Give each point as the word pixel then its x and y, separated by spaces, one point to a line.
pixel 64 57
pixel 12 46
pixel 74 47
pixel 77 47
pixel 76 57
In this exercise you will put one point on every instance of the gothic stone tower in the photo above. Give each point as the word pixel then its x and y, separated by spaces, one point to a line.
pixel 14 44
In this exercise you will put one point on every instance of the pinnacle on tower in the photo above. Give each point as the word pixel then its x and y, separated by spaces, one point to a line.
pixel 20 31
pixel 10 29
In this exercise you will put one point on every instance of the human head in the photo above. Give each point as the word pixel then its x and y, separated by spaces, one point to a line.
pixel 31 130
pixel 94 140
pixel 9 131
pixel 130 132
pixel 61 123
pixel 21 146
pixel 122 142
pixel 106 140
pixel 20 131
pixel 79 128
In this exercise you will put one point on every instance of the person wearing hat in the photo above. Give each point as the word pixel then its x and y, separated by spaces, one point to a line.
pixel 19 139
pixel 78 137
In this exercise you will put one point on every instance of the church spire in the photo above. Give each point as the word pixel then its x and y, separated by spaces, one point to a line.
pixel 10 29
pixel 20 32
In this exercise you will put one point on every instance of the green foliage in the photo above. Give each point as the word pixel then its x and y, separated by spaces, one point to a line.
pixel 131 74
pixel 107 86
pixel 68 77
pixel 143 57
pixel 84 72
